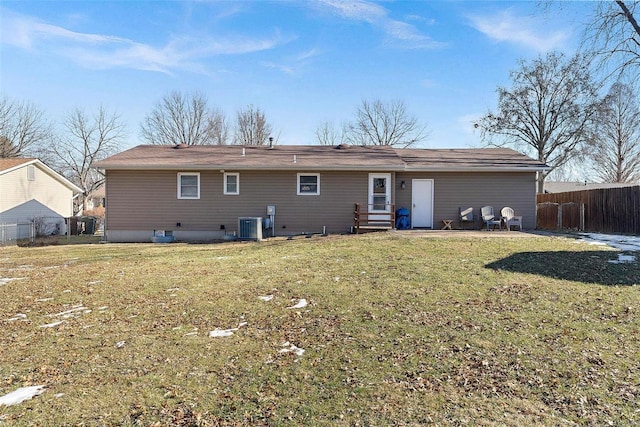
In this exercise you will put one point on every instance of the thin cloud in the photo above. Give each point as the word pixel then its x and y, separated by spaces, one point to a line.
pixel 106 51
pixel 357 10
pixel 399 33
pixel 506 27
pixel 293 64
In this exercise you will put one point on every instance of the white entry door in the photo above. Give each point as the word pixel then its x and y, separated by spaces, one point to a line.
pixel 380 196
pixel 422 203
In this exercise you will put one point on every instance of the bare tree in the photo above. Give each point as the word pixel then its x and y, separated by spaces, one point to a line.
pixel 184 119
pixel 379 123
pixel 252 127
pixel 23 128
pixel 547 111
pixel 614 36
pixel 327 134
pixel 218 127
pixel 616 146
pixel 89 139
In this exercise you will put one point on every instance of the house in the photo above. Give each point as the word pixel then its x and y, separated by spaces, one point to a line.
pixel 568 186
pixel 200 192
pixel 31 192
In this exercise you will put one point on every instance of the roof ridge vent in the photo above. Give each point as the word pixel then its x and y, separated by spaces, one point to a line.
pixel 342 146
pixel 180 146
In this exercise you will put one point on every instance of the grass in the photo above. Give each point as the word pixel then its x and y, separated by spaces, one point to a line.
pixel 398 331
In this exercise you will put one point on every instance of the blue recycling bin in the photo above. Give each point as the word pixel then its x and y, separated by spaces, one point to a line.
pixel 403 221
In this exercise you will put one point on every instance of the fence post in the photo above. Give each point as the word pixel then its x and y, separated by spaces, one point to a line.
pixel 581 216
pixel 559 216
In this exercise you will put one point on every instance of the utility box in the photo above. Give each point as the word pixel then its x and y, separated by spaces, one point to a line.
pixel 271 210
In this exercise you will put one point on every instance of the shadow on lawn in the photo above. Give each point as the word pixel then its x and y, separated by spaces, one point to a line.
pixel 579 266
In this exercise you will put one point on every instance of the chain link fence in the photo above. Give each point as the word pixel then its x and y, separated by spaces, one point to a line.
pixel 10 234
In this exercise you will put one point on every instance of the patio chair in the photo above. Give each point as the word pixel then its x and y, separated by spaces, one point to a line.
pixel 489 218
pixel 465 215
pixel 509 217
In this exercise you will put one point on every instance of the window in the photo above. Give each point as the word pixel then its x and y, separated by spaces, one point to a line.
pixel 31 173
pixel 308 184
pixel 231 183
pixel 188 186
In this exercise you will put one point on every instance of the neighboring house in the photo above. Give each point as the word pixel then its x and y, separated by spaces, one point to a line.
pixel 95 199
pixel 30 191
pixel 565 187
pixel 199 192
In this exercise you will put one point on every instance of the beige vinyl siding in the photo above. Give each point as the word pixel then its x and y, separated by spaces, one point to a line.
pixel 146 200
pixel 16 189
pixel 452 190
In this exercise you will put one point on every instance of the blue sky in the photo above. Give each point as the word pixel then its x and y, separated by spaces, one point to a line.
pixel 302 62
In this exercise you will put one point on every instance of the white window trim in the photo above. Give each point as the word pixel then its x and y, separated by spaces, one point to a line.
pixel 317 193
pixel 225 189
pixel 180 175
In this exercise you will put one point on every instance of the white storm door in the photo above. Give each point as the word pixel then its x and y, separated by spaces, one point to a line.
pixel 422 203
pixel 380 196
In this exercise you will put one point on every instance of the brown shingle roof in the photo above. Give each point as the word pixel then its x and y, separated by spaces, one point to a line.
pixel 467 159
pixel 12 162
pixel 254 157
pixel 317 157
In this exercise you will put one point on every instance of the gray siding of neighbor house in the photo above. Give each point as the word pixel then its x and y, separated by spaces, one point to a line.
pixel 452 190
pixel 139 202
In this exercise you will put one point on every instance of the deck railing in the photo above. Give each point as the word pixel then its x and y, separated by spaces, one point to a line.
pixel 376 220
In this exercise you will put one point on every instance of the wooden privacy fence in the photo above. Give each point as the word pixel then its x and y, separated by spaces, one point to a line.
pixel 567 216
pixel 607 210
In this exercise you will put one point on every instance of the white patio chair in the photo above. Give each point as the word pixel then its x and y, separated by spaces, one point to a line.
pixel 489 217
pixel 465 215
pixel 509 217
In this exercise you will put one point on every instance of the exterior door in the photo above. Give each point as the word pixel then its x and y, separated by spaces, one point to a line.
pixel 380 196
pixel 422 203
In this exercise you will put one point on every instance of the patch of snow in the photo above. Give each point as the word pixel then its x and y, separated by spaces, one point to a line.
pixel 266 298
pixel 5 280
pixel 94 282
pixel 302 303
pixel 71 312
pixel 624 243
pixel 44 299
pixel 623 259
pixel 103 308
pixel 172 289
pixel 216 333
pixel 21 394
pixel 52 325
pixel 19 316
pixel 287 347
pixel 120 344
